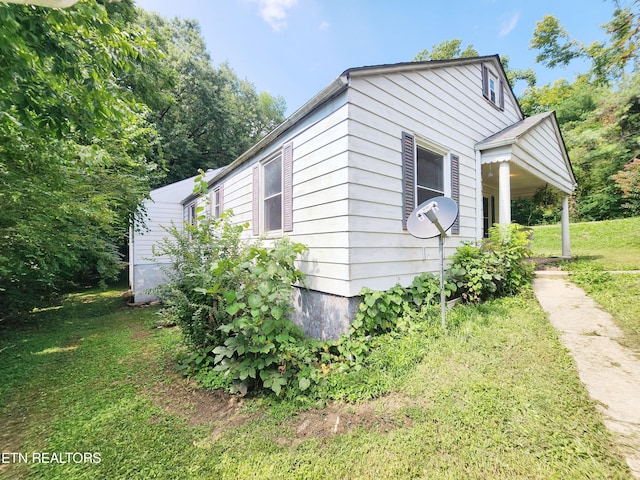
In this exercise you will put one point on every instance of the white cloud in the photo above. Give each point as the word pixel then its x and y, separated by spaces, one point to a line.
pixel 323 26
pixel 508 24
pixel 274 12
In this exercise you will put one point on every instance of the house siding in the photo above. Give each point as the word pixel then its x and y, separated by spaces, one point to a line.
pixel 440 106
pixel 542 145
pixel 347 177
pixel 319 195
pixel 163 209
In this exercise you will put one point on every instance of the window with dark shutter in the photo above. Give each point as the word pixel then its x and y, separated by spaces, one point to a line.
pixel 408 177
pixel 423 177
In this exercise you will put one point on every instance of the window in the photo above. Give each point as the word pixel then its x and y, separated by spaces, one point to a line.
pixel 430 175
pixel 216 202
pixel 427 174
pixel 189 214
pixel 492 87
pixel 272 219
pixel 272 205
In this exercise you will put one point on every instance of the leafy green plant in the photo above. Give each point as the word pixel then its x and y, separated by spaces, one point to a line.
pixel 232 297
pixel 497 267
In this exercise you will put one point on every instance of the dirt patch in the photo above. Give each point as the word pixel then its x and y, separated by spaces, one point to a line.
pixel 184 398
pixel 382 415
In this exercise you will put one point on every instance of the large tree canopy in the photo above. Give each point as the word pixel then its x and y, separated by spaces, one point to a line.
pixel 99 103
pixel 599 111
pixel 74 145
pixel 206 116
pixel 610 60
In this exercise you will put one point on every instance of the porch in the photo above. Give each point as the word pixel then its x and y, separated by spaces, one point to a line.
pixel 517 162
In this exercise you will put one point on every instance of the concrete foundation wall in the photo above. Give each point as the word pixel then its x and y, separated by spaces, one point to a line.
pixel 323 315
pixel 145 278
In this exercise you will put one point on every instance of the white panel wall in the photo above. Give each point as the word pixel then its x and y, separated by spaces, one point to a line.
pixel 540 146
pixel 440 106
pixel 320 191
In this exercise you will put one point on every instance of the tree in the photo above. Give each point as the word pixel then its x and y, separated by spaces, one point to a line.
pixel 600 144
pixel 450 49
pixel 609 60
pixel 599 112
pixel 629 182
pixel 206 116
pixel 446 50
pixel 74 145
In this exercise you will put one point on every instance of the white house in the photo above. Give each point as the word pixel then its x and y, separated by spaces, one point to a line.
pixel 162 208
pixel 342 174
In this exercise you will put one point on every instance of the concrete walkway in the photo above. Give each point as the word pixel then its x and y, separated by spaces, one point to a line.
pixel 609 371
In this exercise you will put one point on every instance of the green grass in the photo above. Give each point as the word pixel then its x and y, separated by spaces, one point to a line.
pixel 611 244
pixel 599 247
pixel 496 397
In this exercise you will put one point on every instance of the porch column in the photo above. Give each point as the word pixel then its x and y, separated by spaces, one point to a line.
pixel 566 241
pixel 504 192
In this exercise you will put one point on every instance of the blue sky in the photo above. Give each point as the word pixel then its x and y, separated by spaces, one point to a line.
pixel 294 48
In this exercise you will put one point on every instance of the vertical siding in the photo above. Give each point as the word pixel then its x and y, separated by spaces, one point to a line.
pixel 443 106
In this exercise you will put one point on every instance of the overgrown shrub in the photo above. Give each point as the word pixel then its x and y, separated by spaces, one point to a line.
pixel 496 267
pixel 231 297
pixel 380 311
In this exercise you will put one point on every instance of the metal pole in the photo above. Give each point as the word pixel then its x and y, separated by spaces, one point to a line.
pixel 443 312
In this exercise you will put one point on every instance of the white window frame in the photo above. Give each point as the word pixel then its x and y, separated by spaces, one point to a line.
pixel 189 214
pixel 446 166
pixel 264 198
pixel 215 204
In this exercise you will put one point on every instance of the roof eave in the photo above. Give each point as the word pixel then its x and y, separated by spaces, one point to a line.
pixel 334 88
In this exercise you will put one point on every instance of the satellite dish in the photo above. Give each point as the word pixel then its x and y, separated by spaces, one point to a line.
pixel 433 217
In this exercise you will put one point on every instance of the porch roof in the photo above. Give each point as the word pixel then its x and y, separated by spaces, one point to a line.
pixel 536 151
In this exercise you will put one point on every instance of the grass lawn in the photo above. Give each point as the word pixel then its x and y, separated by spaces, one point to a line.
pixel 495 397
pixel 611 244
pixel 599 247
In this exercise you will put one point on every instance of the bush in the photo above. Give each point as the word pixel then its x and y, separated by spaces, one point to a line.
pixel 495 268
pixel 232 297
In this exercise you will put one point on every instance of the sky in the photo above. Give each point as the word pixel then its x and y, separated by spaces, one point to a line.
pixel 295 48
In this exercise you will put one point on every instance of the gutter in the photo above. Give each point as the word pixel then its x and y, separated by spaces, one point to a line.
pixel 336 87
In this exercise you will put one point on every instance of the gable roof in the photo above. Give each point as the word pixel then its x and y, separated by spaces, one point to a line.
pixel 177 191
pixel 525 129
pixel 511 134
pixel 341 83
